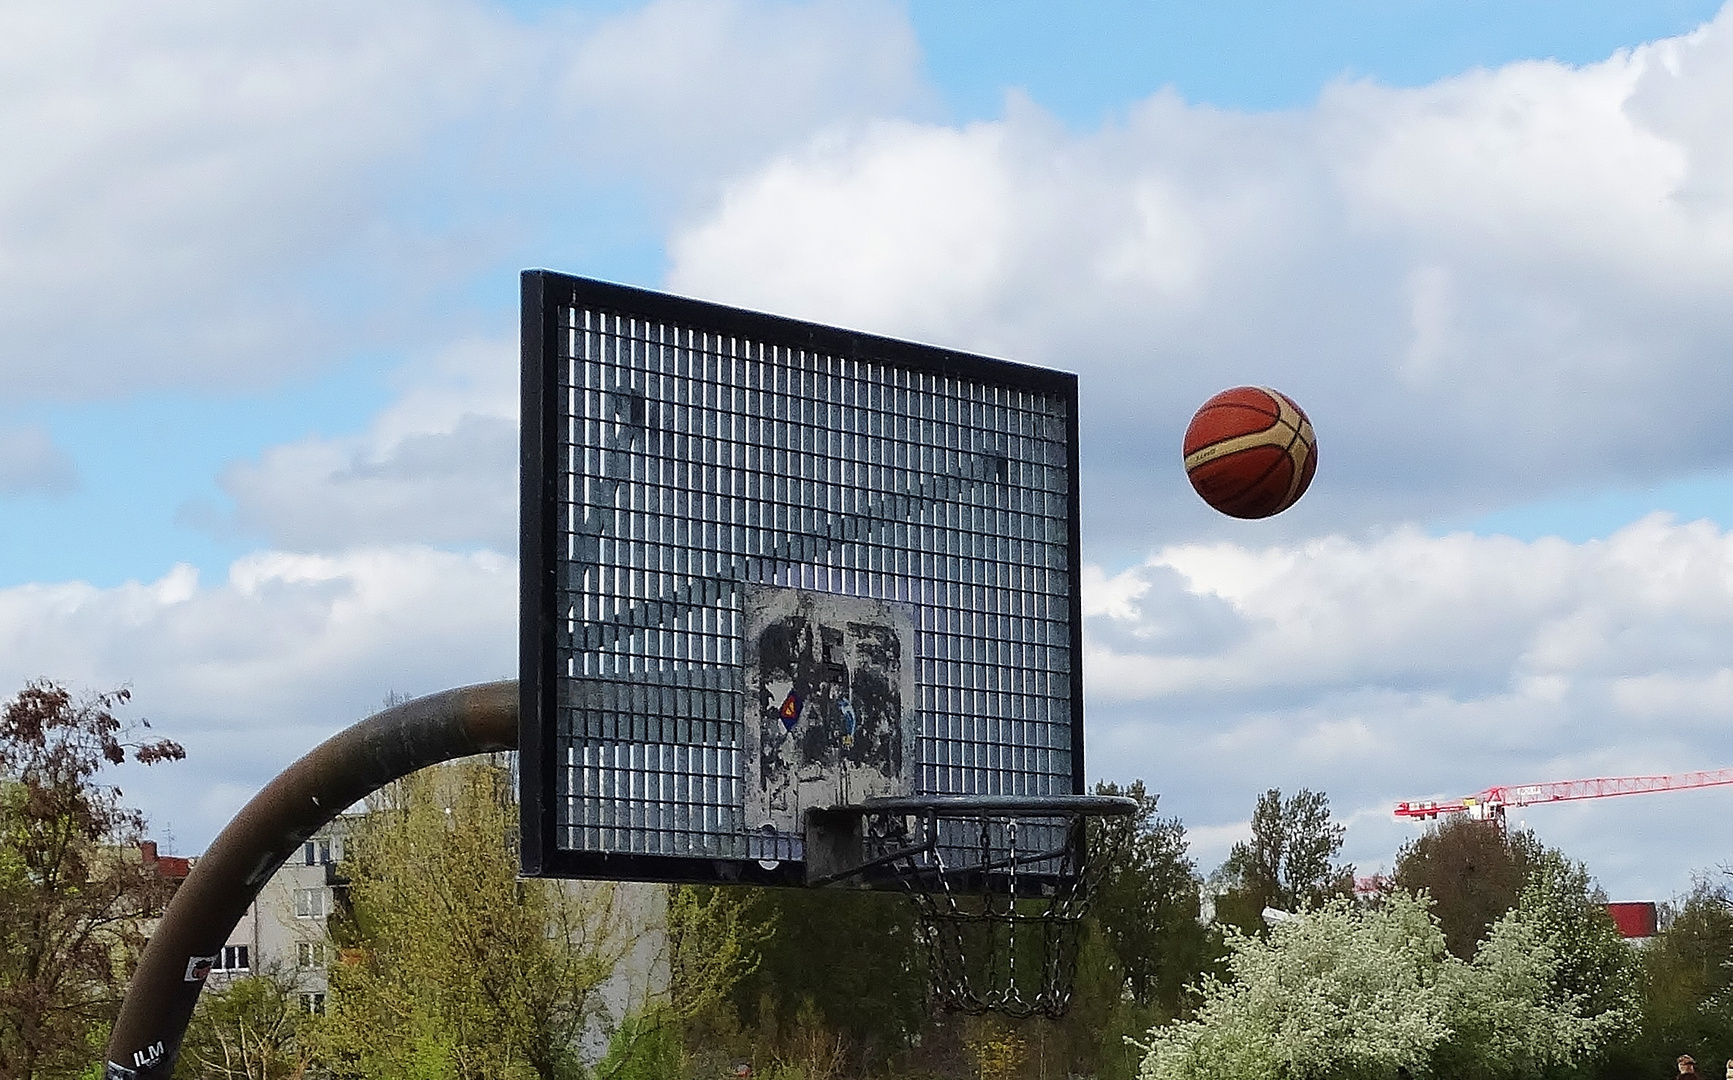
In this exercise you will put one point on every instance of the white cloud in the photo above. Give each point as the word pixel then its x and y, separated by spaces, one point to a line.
pixel 212 194
pixel 1410 666
pixel 30 463
pixel 439 466
pixel 686 92
pixel 1502 286
pixel 1401 667
pixel 253 671
pixel 174 172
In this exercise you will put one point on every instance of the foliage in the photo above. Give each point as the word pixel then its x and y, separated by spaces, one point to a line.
pixel 1473 871
pixel 71 885
pixel 848 960
pixel 643 1047
pixel 708 944
pixel 1147 907
pixel 1336 992
pixel 454 968
pixel 1090 1040
pixel 997 1049
pixel 252 1029
pixel 1140 947
pixel 1288 864
pixel 1688 984
pixel 712 944
pixel 1344 992
pixel 1516 1010
pixel 1595 967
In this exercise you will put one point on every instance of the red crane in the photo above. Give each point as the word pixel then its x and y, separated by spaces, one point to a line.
pixel 1492 802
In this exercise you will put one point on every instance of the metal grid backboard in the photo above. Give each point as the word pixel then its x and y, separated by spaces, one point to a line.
pixel 679 455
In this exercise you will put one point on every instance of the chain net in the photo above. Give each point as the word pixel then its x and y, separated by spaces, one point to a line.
pixel 1000 899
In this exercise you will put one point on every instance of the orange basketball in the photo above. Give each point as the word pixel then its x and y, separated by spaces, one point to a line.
pixel 1250 452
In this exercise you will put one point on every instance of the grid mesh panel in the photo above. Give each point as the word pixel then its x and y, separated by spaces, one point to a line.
pixel 698 464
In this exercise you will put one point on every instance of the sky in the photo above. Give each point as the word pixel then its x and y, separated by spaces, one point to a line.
pixel 258 373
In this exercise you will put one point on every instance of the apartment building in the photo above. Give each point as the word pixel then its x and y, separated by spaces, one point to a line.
pixel 283 930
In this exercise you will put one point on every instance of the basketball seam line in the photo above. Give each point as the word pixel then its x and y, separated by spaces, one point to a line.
pixel 1300 425
pixel 1204 455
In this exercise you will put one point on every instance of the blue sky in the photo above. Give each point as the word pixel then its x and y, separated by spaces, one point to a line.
pixel 144 459
pixel 1086 62
pixel 260 302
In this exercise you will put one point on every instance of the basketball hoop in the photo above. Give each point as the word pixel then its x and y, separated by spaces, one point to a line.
pixel 1000 885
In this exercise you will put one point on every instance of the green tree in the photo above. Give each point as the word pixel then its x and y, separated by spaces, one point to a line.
pixel 1473 871
pixel 1141 944
pixel 453 968
pixel 1148 903
pixel 709 943
pixel 1687 985
pixel 1289 862
pixel 847 961
pixel 1514 1011
pixel 252 1029
pixel 72 889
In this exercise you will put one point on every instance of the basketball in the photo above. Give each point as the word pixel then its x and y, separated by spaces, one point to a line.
pixel 1250 452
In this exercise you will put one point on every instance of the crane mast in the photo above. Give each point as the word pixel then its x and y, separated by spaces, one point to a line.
pixel 1492 803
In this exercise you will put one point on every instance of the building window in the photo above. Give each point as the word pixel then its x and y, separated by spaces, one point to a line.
pixel 311 954
pixel 313 1003
pixel 310 904
pixel 317 852
pixel 232 958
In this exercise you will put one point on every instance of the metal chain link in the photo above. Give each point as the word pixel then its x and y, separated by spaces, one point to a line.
pixel 960 926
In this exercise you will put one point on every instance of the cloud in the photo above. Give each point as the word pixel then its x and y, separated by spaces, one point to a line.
pixel 1504 285
pixel 1498 287
pixel 685 93
pixel 438 466
pixel 175 174
pixel 252 671
pixel 1401 667
pixel 214 194
pixel 30 463
pixel 1409 666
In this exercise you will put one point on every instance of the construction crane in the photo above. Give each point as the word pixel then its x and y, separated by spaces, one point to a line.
pixel 1491 803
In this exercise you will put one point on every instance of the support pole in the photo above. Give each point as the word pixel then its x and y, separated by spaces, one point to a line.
pixel 338 773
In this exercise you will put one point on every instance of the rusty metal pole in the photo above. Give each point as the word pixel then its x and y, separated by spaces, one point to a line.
pixel 339 772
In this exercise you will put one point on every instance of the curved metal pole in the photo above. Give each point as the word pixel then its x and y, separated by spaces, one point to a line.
pixel 339 772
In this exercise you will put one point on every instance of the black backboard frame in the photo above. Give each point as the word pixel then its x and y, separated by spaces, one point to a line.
pixel 544 294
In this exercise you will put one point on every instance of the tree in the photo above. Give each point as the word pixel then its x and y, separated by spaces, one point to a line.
pixel 1687 985
pixel 1287 864
pixel 834 961
pixel 1556 984
pixel 1141 943
pixel 709 944
pixel 1569 913
pixel 452 967
pixel 1336 992
pixel 1148 903
pixel 1474 873
pixel 72 888
pixel 252 1029
pixel 1344 993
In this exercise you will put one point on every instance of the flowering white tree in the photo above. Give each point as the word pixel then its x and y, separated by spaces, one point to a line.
pixel 1333 992
pixel 1550 986
pixel 1345 994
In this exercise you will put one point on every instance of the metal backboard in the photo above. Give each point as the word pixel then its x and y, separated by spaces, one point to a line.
pixel 769 564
